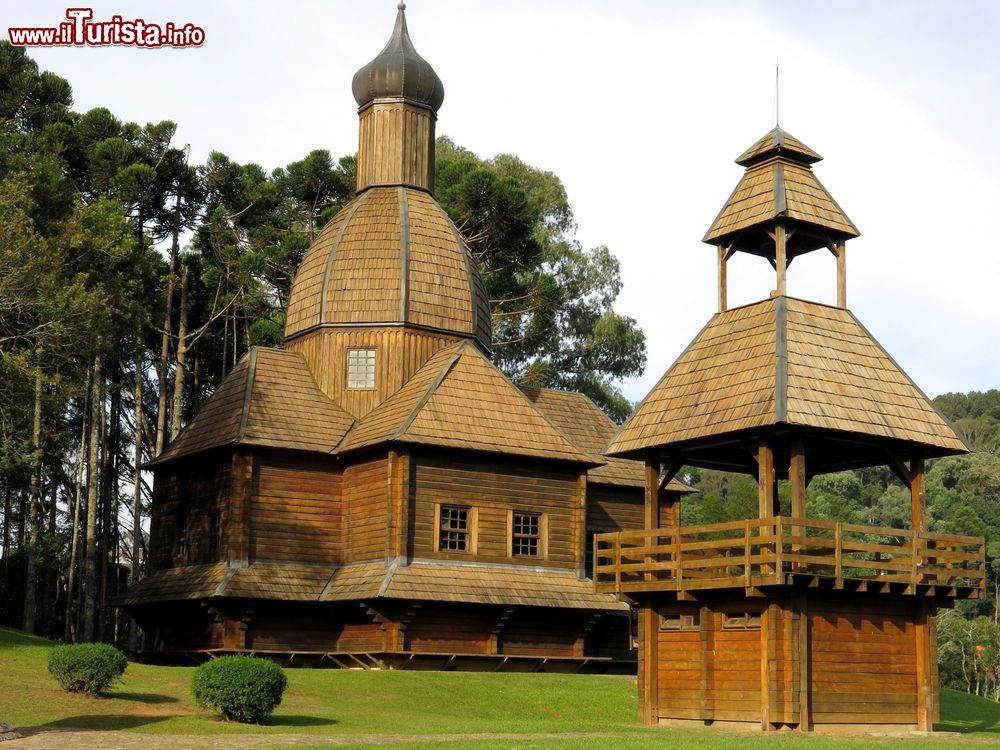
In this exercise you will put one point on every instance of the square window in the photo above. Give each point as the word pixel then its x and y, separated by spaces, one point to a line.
pixel 525 534
pixel 453 529
pixel 360 368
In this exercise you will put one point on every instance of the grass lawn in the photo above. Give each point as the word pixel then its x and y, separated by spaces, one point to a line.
pixel 441 705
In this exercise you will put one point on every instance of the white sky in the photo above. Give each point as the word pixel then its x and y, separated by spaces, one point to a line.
pixel 640 108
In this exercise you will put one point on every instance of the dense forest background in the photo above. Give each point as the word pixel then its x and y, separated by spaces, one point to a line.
pixel 132 281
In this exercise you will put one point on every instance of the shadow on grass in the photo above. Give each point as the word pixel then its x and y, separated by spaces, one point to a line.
pixel 153 698
pixel 98 722
pixel 298 721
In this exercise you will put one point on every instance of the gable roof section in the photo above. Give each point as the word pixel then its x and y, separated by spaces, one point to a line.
pixel 269 399
pixel 590 429
pixel 787 361
pixel 458 399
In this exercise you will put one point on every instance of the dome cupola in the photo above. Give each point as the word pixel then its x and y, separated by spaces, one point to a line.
pixel 398 72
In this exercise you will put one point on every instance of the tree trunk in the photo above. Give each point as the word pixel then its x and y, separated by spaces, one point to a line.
pixel 90 557
pixel 161 406
pixel 8 511
pixel 70 630
pixel 133 632
pixel 34 501
pixel 108 539
pixel 180 370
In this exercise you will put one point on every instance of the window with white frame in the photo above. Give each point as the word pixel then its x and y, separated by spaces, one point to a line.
pixel 526 534
pixel 361 368
pixel 453 529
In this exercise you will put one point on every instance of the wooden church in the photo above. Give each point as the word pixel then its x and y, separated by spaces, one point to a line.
pixel 378 493
pixel 786 621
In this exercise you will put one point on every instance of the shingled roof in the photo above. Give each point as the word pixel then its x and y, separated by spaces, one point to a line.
pixel 779 183
pixel 459 399
pixel 269 399
pixel 785 361
pixel 391 256
pixel 590 429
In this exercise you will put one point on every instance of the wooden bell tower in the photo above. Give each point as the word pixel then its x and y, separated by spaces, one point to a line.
pixel 786 621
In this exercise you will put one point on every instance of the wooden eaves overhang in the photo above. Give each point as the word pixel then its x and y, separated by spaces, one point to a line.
pixel 785 361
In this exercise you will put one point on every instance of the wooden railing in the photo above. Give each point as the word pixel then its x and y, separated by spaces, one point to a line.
pixel 773 551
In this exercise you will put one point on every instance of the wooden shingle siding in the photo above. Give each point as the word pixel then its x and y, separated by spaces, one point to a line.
pixel 391 257
pixel 295 509
pixel 365 505
pixel 779 183
pixel 442 405
pixel 838 378
pixel 494 487
pixel 269 399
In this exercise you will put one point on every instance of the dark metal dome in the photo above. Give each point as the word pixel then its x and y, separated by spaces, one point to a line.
pixel 398 72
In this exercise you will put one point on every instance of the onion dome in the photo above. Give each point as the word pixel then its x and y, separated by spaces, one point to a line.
pixel 391 257
pixel 398 72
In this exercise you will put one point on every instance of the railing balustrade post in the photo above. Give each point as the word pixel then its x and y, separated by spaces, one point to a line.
pixel 618 562
pixel 779 548
pixel 839 555
pixel 677 556
pixel 746 553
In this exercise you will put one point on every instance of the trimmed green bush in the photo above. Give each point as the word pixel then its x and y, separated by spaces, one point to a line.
pixel 241 688
pixel 86 667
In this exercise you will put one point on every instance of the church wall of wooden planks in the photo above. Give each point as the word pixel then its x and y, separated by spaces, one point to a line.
pixel 786 621
pixel 377 493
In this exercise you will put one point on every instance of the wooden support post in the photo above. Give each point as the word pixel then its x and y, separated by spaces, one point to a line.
pixel 398 505
pixel 652 497
pixel 768 661
pixel 841 253
pixel 918 508
pixel 765 478
pixel 706 637
pixel 723 293
pixel 239 509
pixel 797 480
pixel 780 257
pixel 649 628
pixel 802 663
pixel 580 525
pixel 926 694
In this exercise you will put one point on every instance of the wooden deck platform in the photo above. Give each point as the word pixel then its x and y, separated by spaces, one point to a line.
pixel 789 551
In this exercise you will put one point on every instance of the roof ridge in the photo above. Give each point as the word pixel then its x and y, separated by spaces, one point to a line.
pixel 422 401
pixel 247 394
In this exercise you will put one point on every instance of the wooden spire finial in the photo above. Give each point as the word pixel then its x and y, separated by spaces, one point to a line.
pixel 777 92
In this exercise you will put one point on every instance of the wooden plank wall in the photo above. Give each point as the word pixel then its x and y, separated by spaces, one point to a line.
pixel 365 507
pixel 542 632
pixel 864 661
pixel 442 628
pixel 494 486
pixel 858 657
pixel 194 491
pixel 298 626
pixel 400 353
pixel 396 146
pixel 295 508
